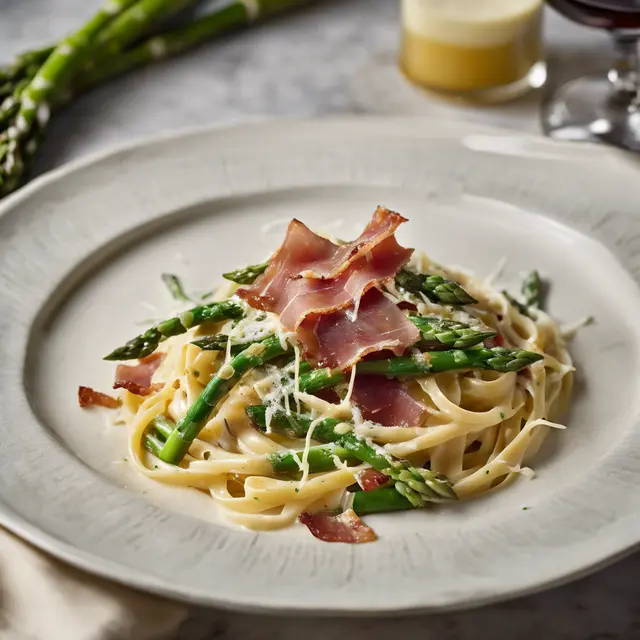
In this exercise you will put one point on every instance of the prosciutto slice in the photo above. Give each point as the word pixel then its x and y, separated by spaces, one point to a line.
pixel 342 338
pixel 137 379
pixel 288 288
pixel 346 527
pixel 386 402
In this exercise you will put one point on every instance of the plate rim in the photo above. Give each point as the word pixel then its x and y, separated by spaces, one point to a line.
pixel 126 575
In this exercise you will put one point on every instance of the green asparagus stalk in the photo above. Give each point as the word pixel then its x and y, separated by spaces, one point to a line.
pixel 438 331
pixel 381 500
pixel 523 309
pixel 320 458
pixel 219 343
pixel 199 412
pixel 532 290
pixel 146 343
pixel 498 359
pixel 246 275
pixel 174 285
pixel 418 486
pixel 436 288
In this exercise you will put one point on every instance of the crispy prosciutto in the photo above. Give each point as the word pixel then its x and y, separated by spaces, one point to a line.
pixel 387 402
pixel 88 397
pixel 137 379
pixel 343 338
pixel 370 479
pixel 346 527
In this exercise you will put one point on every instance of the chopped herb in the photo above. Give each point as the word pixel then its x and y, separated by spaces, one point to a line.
pixel 155 466
pixel 297 490
pixel 196 373
pixel 526 508
pixel 487 471
pixel 501 415
pixel 256 498
pixel 124 459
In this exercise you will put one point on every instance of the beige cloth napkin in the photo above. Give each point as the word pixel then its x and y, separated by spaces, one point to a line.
pixel 43 599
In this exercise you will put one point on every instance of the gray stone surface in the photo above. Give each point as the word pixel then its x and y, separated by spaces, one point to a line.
pixel 335 57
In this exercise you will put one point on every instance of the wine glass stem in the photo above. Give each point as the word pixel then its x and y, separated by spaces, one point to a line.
pixel 624 75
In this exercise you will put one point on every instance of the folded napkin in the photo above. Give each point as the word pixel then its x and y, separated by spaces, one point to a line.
pixel 43 599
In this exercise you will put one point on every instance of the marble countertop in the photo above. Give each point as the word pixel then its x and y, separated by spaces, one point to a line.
pixel 334 57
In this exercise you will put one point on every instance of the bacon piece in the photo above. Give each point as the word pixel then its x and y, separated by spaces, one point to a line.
pixel 370 479
pixel 346 527
pixel 88 397
pixel 340 339
pixel 137 379
pixel 284 292
pixel 386 401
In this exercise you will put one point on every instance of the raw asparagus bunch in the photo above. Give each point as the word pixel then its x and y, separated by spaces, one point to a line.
pixel 416 485
pixel 116 39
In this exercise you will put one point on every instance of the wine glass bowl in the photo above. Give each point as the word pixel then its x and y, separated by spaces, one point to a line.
pixel 601 107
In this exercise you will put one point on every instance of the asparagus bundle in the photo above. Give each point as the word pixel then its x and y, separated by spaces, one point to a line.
pixel 116 39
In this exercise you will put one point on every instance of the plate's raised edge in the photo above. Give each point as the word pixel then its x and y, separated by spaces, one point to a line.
pixel 416 126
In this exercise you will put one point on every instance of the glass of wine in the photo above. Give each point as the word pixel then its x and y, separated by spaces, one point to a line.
pixel 606 107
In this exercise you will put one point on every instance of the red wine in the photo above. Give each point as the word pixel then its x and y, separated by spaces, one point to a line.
pixel 602 14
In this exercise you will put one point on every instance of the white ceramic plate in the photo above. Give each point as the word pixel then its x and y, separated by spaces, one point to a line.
pixel 81 251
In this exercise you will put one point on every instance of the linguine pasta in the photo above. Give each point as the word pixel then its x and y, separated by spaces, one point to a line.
pixel 480 428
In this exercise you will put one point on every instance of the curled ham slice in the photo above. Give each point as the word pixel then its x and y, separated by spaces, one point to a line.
pixel 340 340
pixel 137 379
pixel 370 479
pixel 283 290
pixel 386 401
pixel 346 527
pixel 88 397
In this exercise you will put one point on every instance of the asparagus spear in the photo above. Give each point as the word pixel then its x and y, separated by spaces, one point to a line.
pixel 532 290
pixel 436 288
pixel 219 343
pixel 380 500
pixel 146 343
pixel 246 275
pixel 174 285
pixel 320 458
pixel 418 486
pixel 498 359
pixel 523 309
pixel 199 412
pixel 439 331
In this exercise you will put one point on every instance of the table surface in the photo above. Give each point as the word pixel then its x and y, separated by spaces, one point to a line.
pixel 334 57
